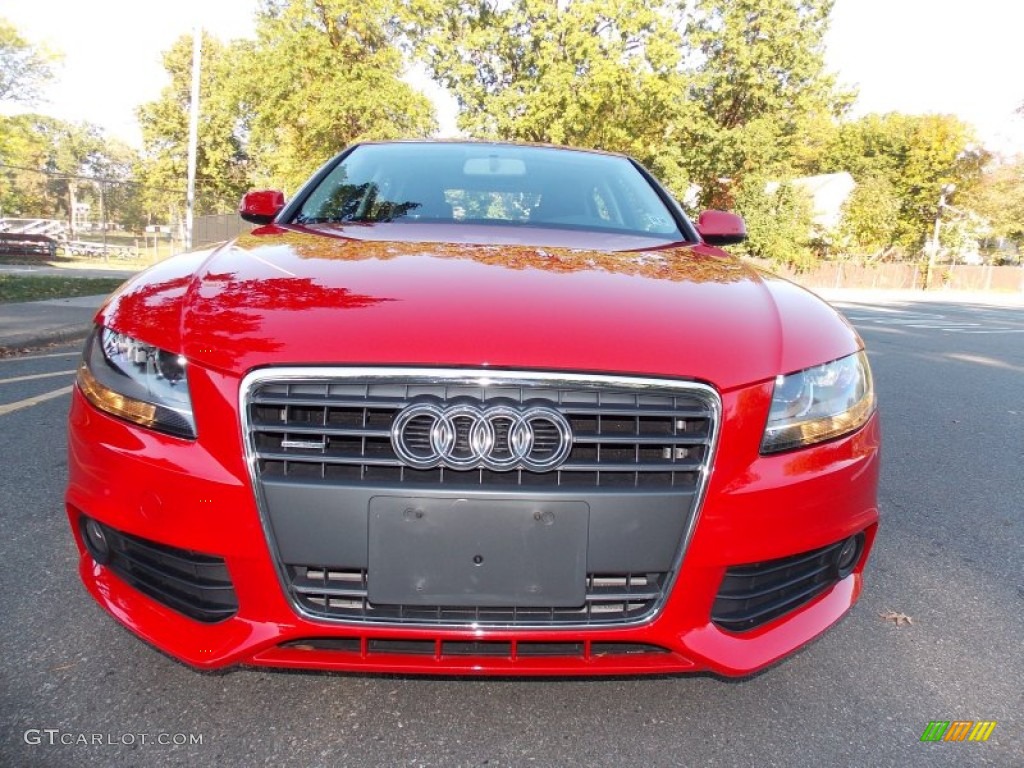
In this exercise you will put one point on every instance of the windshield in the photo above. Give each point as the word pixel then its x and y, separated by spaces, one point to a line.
pixel 489 184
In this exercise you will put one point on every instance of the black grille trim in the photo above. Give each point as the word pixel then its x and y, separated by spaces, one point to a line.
pixel 611 599
pixel 753 595
pixel 191 583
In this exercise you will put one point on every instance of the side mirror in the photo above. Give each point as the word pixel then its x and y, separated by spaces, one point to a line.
pixel 721 228
pixel 261 206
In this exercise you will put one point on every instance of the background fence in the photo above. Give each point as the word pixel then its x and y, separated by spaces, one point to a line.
pixel 217 228
pixel 962 277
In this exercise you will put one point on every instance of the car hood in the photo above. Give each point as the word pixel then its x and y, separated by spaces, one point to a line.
pixel 283 297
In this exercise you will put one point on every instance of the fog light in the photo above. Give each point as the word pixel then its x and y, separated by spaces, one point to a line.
pixel 95 539
pixel 849 556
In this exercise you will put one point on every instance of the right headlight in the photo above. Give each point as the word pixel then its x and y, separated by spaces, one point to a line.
pixel 819 403
pixel 137 382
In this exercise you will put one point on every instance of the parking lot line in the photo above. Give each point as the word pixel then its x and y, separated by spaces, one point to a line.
pixel 21 358
pixel 35 376
pixel 36 400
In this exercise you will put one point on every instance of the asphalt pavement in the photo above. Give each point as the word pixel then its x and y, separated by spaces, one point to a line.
pixel 29 324
pixel 77 689
pixel 24 325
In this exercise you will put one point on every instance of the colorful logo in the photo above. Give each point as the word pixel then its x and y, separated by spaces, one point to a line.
pixel 958 730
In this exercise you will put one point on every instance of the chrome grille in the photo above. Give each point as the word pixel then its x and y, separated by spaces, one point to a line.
pixel 337 430
pixel 318 443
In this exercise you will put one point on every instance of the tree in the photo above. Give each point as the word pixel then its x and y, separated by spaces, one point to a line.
pixel 870 218
pixel 52 165
pixel 917 155
pixel 24 67
pixel 120 198
pixel 588 73
pixel 759 77
pixel 222 163
pixel 51 161
pixel 323 74
pixel 999 199
pixel 780 222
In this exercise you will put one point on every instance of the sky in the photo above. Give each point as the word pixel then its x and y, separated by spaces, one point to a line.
pixel 913 56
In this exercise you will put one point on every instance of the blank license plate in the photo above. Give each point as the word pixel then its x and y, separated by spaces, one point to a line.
pixel 490 553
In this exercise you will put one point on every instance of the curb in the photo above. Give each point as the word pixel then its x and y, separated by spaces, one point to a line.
pixel 61 334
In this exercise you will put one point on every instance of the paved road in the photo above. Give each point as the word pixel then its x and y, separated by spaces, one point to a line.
pixel 951 380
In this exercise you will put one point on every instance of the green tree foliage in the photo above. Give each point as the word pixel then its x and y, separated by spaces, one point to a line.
pixel 322 74
pixel 50 162
pixel 222 164
pixel 50 165
pixel 119 197
pixel 779 220
pixel 759 77
pixel 870 217
pixel 589 73
pixel 24 67
pixel 917 155
pixel 23 152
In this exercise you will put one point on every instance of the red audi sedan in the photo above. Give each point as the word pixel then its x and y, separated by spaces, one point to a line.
pixel 473 408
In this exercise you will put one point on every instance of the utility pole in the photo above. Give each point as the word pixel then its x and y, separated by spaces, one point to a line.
pixel 193 133
pixel 103 220
pixel 933 246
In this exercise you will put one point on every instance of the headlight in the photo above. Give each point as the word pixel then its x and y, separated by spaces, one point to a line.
pixel 819 404
pixel 136 382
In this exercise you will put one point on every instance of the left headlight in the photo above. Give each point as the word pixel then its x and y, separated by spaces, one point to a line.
pixel 137 382
pixel 819 403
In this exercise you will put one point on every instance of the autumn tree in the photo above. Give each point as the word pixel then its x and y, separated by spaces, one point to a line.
pixel 999 199
pixel 916 155
pixel 320 75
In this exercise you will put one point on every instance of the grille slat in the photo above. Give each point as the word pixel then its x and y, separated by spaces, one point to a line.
pixel 796 581
pixel 329 458
pixel 318 429
pixel 327 401
pixel 639 466
pixel 194 584
pixel 593 437
pixel 603 605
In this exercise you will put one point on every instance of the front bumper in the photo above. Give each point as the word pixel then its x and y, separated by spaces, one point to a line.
pixel 198 497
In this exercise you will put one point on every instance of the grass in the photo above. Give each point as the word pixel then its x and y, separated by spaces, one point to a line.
pixel 15 288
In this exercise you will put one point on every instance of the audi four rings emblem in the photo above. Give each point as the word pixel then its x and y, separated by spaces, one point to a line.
pixel 467 436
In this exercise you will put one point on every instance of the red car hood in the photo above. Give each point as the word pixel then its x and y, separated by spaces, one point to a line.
pixel 297 298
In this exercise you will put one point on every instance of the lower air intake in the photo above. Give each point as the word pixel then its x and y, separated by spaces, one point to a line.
pixel 753 595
